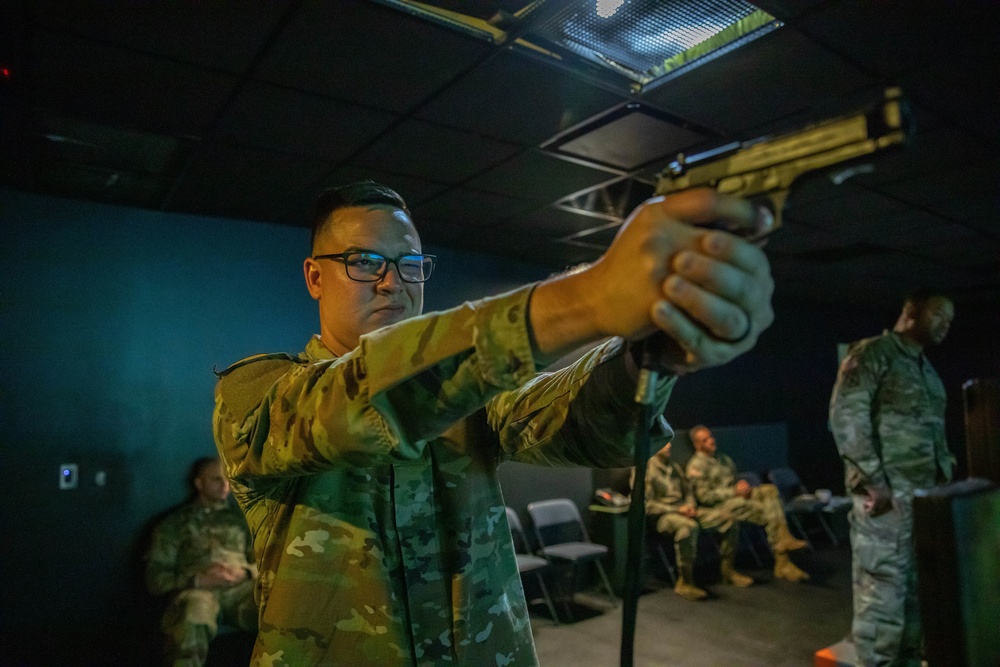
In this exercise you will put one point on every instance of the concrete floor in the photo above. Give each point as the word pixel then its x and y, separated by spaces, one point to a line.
pixel 770 624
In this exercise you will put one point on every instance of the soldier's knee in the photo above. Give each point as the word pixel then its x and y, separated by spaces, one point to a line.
pixel 198 607
pixel 767 491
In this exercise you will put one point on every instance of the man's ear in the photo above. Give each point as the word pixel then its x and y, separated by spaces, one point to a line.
pixel 313 276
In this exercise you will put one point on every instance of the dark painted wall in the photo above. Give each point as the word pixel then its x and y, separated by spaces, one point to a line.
pixel 112 319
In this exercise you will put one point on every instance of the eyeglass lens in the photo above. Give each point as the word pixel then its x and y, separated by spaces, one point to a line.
pixel 369 266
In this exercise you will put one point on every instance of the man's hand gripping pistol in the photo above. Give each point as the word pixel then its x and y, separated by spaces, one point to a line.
pixel 764 169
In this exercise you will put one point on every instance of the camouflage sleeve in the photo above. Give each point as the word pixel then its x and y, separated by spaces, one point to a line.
pixel 163 573
pixel 851 417
pixel 582 415
pixel 710 488
pixel 382 402
pixel 662 494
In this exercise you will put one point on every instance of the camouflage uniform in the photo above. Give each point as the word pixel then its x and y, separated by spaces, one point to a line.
pixel 184 543
pixel 667 490
pixel 887 415
pixel 370 483
pixel 714 482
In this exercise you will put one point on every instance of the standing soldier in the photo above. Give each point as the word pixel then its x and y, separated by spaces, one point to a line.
pixel 713 476
pixel 201 559
pixel 887 415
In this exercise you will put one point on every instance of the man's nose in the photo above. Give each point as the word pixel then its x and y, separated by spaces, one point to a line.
pixel 391 282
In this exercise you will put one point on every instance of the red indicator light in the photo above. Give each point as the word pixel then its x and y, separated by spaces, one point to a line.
pixel 5 72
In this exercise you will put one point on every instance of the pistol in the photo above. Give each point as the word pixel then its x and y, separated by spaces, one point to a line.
pixel 764 169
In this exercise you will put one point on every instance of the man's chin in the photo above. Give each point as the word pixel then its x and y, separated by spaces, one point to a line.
pixel 386 316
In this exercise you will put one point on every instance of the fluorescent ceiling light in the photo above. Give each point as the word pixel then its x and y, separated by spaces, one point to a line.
pixel 637 44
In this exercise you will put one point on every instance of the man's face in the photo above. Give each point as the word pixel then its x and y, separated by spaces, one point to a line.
pixel 665 451
pixel 349 309
pixel 211 485
pixel 703 442
pixel 934 320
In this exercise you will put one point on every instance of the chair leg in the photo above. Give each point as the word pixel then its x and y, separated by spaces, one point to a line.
pixel 547 598
pixel 662 551
pixel 798 526
pixel 746 539
pixel 826 527
pixel 607 583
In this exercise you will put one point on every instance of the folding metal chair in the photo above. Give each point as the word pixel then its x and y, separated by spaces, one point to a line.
pixel 562 538
pixel 797 502
pixel 527 563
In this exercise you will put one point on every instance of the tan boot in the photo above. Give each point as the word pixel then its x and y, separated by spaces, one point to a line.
pixel 689 591
pixel 732 577
pixel 784 568
pixel 787 542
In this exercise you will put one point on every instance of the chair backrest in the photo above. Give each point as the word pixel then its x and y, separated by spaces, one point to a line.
pixel 557 521
pixel 517 533
pixel 750 477
pixel 787 480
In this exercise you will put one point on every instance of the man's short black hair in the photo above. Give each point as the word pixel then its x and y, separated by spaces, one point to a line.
pixel 360 193
pixel 919 297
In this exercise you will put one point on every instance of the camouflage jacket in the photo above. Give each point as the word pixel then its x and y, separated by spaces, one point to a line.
pixel 667 487
pixel 191 538
pixel 712 477
pixel 370 483
pixel 887 416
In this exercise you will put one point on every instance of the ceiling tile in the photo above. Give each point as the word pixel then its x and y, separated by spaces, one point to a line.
pixel 238 181
pixel 552 222
pixel 518 99
pixel 105 84
pixel 961 87
pixel 627 138
pixel 412 190
pixel 223 34
pixel 289 120
pixel 434 152
pixel 890 37
pixel 472 208
pixel 367 53
pixel 978 180
pixel 778 75
pixel 853 208
pixel 539 177
pixel 936 151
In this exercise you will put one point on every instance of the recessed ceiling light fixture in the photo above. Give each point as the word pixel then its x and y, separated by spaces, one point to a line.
pixel 636 44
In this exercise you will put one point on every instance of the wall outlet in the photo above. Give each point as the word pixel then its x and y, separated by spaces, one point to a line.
pixel 68 476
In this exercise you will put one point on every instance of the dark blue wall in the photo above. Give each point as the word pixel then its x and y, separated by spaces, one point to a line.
pixel 112 319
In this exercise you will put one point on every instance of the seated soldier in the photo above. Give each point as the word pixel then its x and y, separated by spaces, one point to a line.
pixel 200 558
pixel 670 503
pixel 713 477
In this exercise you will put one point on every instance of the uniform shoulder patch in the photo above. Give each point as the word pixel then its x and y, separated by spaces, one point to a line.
pixel 242 385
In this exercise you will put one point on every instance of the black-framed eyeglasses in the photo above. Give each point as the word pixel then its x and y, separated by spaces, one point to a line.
pixel 370 267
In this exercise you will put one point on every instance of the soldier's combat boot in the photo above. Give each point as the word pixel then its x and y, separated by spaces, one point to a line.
pixel 688 591
pixel 784 568
pixel 685 578
pixel 787 542
pixel 732 577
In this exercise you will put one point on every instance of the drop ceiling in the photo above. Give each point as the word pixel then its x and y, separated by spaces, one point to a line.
pixel 250 109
